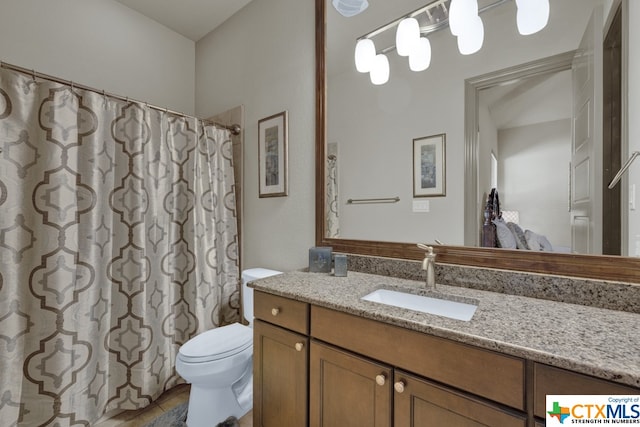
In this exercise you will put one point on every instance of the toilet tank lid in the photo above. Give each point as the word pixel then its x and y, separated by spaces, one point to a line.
pixel 258 273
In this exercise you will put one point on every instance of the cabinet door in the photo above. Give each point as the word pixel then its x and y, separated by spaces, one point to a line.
pixel 279 377
pixel 418 402
pixel 347 390
pixel 551 380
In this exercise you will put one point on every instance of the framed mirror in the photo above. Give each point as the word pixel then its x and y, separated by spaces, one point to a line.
pixel 596 266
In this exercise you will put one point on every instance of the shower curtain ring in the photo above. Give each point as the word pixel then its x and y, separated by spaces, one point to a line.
pixel 33 74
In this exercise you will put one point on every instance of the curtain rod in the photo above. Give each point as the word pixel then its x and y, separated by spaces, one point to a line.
pixel 234 128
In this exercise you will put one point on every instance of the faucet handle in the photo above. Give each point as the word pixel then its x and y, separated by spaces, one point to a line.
pixel 427 248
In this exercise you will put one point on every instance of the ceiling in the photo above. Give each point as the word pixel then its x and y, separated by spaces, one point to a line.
pixel 536 99
pixel 193 19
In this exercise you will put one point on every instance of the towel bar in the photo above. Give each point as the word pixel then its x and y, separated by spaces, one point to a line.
pixel 378 200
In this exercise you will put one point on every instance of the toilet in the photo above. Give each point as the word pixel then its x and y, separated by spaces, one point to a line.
pixel 218 365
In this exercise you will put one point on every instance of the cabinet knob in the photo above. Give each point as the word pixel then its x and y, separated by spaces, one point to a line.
pixel 399 386
pixel 275 311
pixel 299 346
pixel 381 379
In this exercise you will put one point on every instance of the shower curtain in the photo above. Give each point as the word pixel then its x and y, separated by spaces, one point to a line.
pixel 118 243
pixel 333 222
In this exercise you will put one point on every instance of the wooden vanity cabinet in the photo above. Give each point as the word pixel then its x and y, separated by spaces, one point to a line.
pixel 314 366
pixel 351 376
pixel 281 361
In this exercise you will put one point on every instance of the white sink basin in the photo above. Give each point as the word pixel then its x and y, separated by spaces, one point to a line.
pixel 432 305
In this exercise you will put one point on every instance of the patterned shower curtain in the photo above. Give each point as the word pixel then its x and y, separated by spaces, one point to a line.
pixel 118 243
pixel 333 221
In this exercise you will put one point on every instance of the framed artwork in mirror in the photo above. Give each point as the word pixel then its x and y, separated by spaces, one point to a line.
pixel 272 155
pixel 429 158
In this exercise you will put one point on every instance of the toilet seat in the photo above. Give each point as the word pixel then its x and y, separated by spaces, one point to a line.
pixel 216 344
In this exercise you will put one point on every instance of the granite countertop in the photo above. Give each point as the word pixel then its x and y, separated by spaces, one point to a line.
pixel 594 341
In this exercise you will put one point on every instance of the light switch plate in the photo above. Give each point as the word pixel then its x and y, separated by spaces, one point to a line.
pixel 421 206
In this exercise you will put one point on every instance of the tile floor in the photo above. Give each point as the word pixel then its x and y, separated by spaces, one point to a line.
pixel 169 400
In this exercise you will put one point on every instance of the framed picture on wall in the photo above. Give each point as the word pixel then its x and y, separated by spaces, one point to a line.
pixel 272 155
pixel 429 175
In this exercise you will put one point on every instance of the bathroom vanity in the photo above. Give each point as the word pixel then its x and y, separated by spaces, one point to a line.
pixel 325 357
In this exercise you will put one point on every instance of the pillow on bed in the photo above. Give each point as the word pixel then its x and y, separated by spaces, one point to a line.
pixel 518 233
pixel 545 243
pixel 537 242
pixel 506 239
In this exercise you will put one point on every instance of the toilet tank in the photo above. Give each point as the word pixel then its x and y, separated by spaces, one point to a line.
pixel 247 292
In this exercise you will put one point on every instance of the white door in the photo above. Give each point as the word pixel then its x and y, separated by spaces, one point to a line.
pixel 586 147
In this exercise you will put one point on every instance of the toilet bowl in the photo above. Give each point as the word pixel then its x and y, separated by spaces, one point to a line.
pixel 218 365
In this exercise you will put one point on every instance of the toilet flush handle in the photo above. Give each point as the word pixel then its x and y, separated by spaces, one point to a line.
pixel 275 311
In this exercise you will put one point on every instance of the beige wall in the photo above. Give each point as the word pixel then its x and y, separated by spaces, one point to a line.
pixel 264 58
pixel 102 44
pixel 534 164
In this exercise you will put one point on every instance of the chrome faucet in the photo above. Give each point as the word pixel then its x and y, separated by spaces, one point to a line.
pixel 429 265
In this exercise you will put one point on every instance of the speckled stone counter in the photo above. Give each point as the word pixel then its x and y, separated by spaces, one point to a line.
pixel 595 341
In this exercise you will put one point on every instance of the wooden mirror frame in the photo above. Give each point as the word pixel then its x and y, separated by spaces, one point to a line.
pixel 614 268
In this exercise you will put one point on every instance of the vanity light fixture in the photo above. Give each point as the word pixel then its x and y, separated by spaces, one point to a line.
pixel 471 39
pixel 420 56
pixel 365 54
pixel 532 16
pixel 461 16
pixel 380 70
pixel 407 35
pixel 465 23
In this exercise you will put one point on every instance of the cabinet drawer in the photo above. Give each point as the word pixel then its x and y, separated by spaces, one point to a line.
pixel 551 380
pixel 282 311
pixel 422 403
pixel 482 372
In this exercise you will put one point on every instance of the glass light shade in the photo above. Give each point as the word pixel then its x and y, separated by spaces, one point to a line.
pixel 364 55
pixel 349 8
pixel 407 35
pixel 471 40
pixel 380 71
pixel 461 14
pixel 420 57
pixel 532 16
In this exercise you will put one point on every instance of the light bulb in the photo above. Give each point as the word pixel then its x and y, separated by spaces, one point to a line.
pixel 461 13
pixel 471 40
pixel 364 54
pixel 407 35
pixel 380 71
pixel 420 57
pixel 532 16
